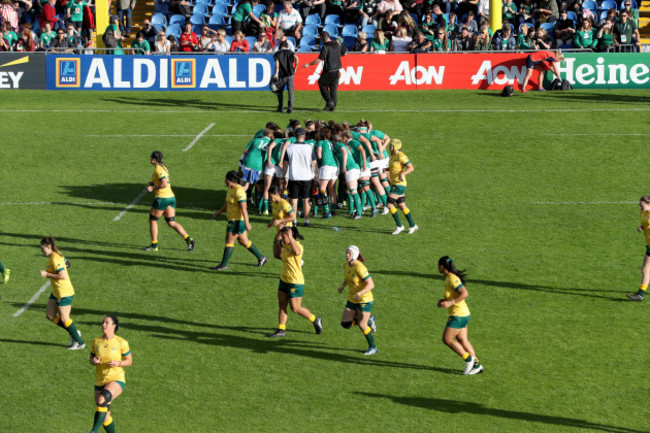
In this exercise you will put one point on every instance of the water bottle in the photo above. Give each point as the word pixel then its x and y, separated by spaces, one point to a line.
pixel 336 229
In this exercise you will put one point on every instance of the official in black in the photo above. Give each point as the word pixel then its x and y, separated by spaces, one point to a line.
pixel 285 67
pixel 328 82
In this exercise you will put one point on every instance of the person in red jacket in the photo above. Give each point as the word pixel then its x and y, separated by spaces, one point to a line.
pixel 541 61
pixel 188 40
pixel 49 14
pixel 240 44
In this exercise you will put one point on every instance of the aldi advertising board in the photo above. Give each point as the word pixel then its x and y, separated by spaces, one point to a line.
pixel 360 72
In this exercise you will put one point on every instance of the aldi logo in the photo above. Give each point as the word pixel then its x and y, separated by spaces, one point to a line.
pixel 68 72
pixel 183 73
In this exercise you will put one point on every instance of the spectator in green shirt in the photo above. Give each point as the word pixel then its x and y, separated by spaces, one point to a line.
pixel 75 13
pixel 632 13
pixel 585 37
pixel 509 11
pixel 483 41
pixel 626 31
pixel 606 41
pixel 525 38
pixel 142 43
pixel 380 43
pixel 243 19
pixel 47 34
pixel 10 35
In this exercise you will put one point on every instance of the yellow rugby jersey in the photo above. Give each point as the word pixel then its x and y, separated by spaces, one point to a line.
pixel 281 210
pixel 396 164
pixel 234 198
pixel 645 223
pixel 354 275
pixel 452 285
pixel 60 288
pixel 291 265
pixel 114 349
pixel 159 174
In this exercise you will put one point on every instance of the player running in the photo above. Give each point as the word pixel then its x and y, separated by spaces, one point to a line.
pixel 238 225
pixel 358 308
pixel 59 304
pixel 399 166
pixel 164 203
pixel 4 275
pixel 455 334
pixel 109 354
pixel 644 204
pixel 292 282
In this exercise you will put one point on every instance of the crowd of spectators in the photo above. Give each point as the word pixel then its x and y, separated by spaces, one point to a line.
pixel 415 26
pixel 377 26
pixel 34 25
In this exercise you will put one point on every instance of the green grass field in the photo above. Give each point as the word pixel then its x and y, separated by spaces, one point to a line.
pixel 544 221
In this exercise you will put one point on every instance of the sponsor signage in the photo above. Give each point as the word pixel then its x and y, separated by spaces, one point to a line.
pixel 22 71
pixel 359 72
pixel 243 72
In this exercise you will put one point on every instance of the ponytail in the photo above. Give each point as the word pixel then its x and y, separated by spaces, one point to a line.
pixel 51 242
pixel 448 264
pixel 157 156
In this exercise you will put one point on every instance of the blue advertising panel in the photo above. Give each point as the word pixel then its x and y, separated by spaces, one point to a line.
pixel 224 72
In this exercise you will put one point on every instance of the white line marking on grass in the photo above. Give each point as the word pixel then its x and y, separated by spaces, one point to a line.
pixel 87 203
pixel 212 112
pixel 170 135
pixel 576 203
pixel 31 301
pixel 133 203
pixel 606 134
pixel 198 137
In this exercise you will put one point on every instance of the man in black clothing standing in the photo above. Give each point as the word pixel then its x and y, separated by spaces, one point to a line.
pixel 285 67
pixel 328 82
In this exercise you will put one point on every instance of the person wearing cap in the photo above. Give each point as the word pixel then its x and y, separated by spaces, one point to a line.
pixel 285 68
pixel 300 166
pixel 330 56
pixel 399 166
pixel 358 308
pixel 292 282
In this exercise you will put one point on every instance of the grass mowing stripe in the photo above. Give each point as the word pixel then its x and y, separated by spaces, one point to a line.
pixel 133 203
pixel 262 111
pixel 198 137
pixel 31 301
pixel 168 135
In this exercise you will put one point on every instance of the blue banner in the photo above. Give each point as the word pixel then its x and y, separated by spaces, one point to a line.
pixel 121 72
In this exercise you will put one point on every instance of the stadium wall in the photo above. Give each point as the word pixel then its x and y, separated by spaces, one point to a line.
pixel 360 71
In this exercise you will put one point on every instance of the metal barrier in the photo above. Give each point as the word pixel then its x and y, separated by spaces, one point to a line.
pixel 96 50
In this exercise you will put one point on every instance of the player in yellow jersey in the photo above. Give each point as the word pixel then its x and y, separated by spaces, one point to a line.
pixel 238 225
pixel 282 213
pixel 455 334
pixel 358 309
pixel 292 282
pixel 59 304
pixel 644 204
pixel 164 203
pixel 4 275
pixel 398 167
pixel 109 354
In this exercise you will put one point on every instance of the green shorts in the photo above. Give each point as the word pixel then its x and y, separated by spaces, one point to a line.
pixel 293 290
pixel 236 227
pixel 398 189
pixel 62 302
pixel 647 250
pixel 365 307
pixel 163 203
pixel 119 382
pixel 457 322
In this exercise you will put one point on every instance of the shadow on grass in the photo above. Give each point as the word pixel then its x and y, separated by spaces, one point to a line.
pixel 599 97
pixel 36 343
pixel 124 193
pixel 589 293
pixel 124 258
pixel 164 328
pixel 187 103
pixel 459 407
